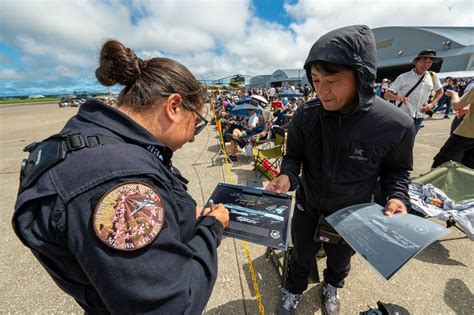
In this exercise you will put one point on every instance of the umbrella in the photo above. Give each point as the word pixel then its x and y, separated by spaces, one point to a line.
pixel 289 93
pixel 260 99
pixel 243 100
pixel 242 110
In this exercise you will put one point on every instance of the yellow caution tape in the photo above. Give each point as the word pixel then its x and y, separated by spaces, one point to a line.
pixel 254 280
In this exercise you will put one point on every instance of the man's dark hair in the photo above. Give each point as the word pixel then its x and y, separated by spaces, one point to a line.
pixel 329 67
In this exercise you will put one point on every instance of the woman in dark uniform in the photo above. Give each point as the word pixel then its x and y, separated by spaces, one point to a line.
pixel 101 206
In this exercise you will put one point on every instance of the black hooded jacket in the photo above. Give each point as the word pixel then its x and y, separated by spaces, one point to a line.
pixel 343 155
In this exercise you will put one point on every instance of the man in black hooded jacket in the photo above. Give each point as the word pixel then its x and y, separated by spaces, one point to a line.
pixel 345 141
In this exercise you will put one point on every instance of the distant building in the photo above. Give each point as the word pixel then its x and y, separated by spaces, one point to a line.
pixel 260 81
pixel 30 97
pixel 287 77
pixel 397 46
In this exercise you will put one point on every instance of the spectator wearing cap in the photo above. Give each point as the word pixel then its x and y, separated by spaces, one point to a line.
pixel 421 82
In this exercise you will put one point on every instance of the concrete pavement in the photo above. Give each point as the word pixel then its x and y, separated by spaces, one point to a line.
pixel 439 280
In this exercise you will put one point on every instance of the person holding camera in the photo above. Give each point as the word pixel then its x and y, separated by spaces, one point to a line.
pixel 344 141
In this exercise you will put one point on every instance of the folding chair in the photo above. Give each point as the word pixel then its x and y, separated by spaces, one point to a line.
pixel 245 139
pixel 221 144
pixel 263 156
pixel 282 268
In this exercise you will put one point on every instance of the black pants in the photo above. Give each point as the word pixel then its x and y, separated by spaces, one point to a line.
pixel 456 148
pixel 305 248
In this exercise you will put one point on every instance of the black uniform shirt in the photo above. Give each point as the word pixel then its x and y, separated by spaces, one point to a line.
pixel 71 220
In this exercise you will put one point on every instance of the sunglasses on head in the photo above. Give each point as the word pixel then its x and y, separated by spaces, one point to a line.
pixel 203 121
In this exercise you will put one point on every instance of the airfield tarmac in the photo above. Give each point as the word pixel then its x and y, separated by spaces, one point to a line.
pixel 440 280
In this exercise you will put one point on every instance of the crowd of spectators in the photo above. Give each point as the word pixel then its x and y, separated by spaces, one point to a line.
pixel 254 128
pixel 444 104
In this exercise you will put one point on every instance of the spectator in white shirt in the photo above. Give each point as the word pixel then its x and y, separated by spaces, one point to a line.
pixel 415 105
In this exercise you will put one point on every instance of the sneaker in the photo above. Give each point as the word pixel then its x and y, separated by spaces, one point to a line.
pixel 446 117
pixel 330 300
pixel 233 158
pixel 289 302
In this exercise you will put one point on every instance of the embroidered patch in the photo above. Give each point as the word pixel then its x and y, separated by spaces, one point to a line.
pixel 129 216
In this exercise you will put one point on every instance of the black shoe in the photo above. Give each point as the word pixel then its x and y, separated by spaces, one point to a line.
pixel 242 143
pixel 233 158
pixel 289 302
pixel 446 117
pixel 330 303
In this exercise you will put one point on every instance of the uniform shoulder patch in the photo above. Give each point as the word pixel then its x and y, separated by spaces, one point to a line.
pixel 129 216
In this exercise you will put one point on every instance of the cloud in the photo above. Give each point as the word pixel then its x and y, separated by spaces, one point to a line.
pixel 10 74
pixel 322 16
pixel 59 41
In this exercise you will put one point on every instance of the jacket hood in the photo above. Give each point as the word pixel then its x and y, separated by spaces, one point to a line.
pixel 352 46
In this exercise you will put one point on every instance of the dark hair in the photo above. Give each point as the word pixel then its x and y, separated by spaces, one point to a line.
pixel 145 79
pixel 329 67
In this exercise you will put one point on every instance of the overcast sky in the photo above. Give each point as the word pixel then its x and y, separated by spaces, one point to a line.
pixel 52 46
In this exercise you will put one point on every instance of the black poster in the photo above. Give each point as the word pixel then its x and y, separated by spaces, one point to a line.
pixel 387 243
pixel 256 215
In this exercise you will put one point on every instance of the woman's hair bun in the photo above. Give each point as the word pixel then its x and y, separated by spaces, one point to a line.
pixel 118 64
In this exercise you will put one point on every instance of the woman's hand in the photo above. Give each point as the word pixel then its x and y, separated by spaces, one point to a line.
pixel 218 211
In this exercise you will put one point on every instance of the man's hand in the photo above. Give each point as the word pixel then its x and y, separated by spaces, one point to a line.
pixel 462 112
pixel 427 107
pixel 403 99
pixel 281 184
pixel 395 206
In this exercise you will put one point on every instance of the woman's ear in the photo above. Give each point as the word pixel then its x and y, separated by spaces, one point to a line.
pixel 171 106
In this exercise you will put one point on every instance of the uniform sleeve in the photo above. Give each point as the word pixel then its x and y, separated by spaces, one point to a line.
pixel 395 169
pixel 291 164
pixel 174 274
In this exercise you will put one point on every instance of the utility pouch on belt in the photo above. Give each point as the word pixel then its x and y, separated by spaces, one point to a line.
pixel 325 233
